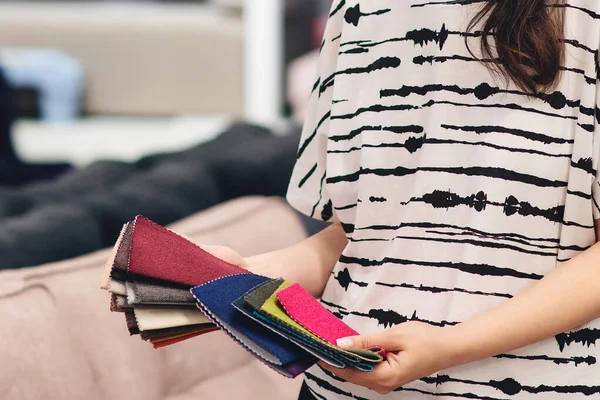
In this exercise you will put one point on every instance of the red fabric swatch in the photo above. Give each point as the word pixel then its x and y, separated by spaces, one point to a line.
pixel 159 253
pixel 308 312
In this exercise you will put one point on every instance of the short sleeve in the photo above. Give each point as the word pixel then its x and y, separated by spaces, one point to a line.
pixel 307 191
pixel 596 182
pixel 595 160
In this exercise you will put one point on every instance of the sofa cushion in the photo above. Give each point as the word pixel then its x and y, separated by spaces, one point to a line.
pixel 59 340
pixel 163 187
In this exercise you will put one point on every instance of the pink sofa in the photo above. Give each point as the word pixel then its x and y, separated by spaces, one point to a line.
pixel 58 339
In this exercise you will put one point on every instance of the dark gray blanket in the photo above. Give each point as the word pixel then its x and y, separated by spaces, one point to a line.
pixel 83 210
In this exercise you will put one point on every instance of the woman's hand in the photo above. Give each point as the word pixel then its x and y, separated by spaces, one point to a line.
pixel 226 254
pixel 414 350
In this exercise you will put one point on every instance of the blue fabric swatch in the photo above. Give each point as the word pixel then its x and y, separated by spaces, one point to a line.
pixel 217 297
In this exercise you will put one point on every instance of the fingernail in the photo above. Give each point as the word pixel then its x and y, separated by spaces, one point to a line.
pixel 344 342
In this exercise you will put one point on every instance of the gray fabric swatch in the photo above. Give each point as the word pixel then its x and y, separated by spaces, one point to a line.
pixel 122 256
pixel 151 294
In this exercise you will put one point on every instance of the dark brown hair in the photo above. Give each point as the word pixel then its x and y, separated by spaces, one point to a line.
pixel 525 40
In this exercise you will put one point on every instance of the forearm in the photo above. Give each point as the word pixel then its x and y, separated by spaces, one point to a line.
pixel 308 263
pixel 566 298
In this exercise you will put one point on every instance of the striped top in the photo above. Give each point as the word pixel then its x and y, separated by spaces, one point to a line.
pixel 456 191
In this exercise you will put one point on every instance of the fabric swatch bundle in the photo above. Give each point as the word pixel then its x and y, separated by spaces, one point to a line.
pixel 171 290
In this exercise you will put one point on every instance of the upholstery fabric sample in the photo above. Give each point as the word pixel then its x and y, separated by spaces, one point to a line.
pixel 321 352
pixel 150 319
pixel 121 302
pixel 133 301
pixel 158 334
pixel 169 338
pixel 132 325
pixel 151 293
pixel 308 312
pixel 215 298
pixel 115 273
pixel 193 333
pixel 242 306
pixel 149 274
pixel 257 297
pixel 159 253
pixel 114 306
pixel 272 308
pixel 117 287
pixel 130 292
pixel 296 368
pixel 175 340
pixel 121 260
pixel 120 275
pixel 264 301
pixel 184 307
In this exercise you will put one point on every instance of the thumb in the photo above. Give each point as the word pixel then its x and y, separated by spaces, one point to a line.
pixel 226 254
pixel 385 340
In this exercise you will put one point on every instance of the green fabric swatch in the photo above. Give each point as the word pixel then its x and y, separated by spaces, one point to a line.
pixel 257 297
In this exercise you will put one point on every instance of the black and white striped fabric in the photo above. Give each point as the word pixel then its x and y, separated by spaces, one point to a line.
pixel 456 190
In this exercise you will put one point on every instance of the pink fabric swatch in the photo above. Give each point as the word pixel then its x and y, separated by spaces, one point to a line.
pixel 159 253
pixel 308 312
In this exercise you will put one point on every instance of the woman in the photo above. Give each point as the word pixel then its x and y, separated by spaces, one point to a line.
pixel 454 145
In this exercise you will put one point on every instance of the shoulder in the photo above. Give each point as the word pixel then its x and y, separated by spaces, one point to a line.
pixel 582 11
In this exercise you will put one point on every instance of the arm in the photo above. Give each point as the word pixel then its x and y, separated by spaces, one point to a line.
pixel 564 299
pixel 308 263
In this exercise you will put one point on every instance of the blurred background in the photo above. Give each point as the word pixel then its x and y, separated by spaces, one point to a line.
pixel 110 109
pixel 186 112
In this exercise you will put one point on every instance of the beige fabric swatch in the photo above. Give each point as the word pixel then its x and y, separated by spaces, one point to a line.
pixel 148 319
